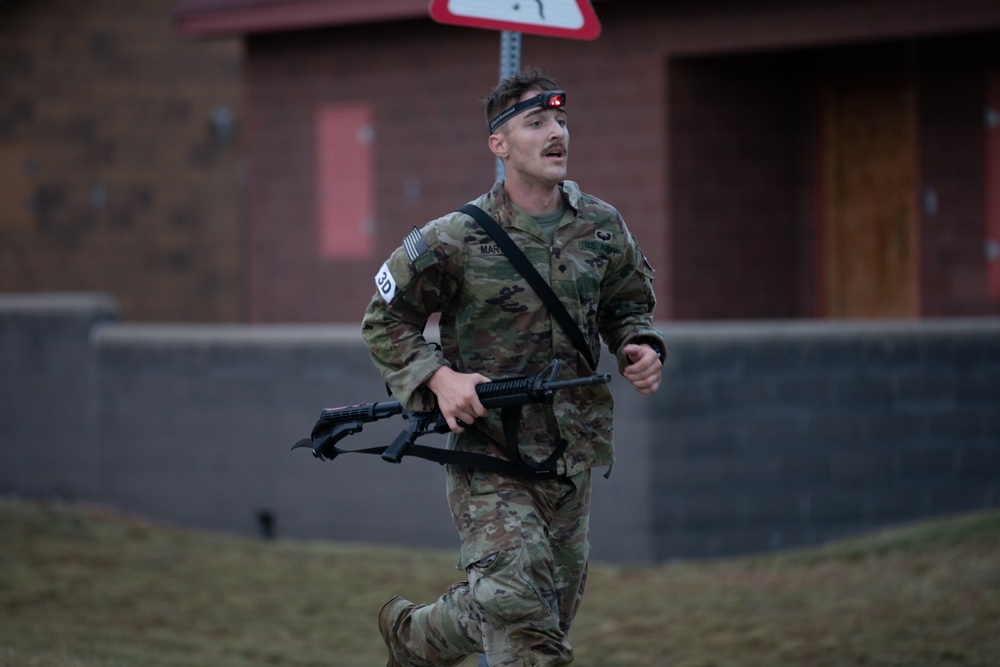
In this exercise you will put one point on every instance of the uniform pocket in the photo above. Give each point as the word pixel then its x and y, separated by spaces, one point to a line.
pixel 502 589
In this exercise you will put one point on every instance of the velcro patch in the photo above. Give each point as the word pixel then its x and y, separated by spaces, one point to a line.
pixel 490 249
pixel 415 245
pixel 385 283
pixel 599 247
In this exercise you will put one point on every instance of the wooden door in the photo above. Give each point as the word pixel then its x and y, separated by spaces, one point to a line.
pixel 868 203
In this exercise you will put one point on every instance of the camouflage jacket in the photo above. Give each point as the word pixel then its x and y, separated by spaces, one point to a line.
pixel 492 322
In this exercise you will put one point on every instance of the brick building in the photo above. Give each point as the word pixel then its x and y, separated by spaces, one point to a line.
pixel 776 159
pixel 120 165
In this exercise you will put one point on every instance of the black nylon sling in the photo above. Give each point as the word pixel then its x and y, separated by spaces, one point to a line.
pixel 459 458
pixel 542 288
pixel 511 417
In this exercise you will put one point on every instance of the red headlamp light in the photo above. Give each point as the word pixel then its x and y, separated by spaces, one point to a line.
pixel 550 99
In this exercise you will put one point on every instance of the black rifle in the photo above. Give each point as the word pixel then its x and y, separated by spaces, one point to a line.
pixel 335 424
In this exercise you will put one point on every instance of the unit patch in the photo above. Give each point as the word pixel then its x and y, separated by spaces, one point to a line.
pixel 601 244
pixel 385 283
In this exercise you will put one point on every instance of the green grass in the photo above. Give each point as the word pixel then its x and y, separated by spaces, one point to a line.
pixel 88 587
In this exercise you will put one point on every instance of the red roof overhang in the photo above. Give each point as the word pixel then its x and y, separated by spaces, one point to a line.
pixel 218 18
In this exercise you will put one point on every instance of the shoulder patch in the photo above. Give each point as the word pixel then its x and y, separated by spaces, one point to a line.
pixel 418 251
pixel 415 245
pixel 385 283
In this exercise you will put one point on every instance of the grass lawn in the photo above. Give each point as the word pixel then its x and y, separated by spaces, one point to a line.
pixel 84 586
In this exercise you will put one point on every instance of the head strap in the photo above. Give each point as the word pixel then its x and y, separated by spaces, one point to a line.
pixel 550 99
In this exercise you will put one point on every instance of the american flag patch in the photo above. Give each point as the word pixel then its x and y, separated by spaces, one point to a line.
pixel 415 245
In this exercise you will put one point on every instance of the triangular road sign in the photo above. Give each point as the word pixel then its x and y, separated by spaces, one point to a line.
pixel 575 19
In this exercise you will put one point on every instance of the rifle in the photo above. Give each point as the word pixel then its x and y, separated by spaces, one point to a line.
pixel 335 424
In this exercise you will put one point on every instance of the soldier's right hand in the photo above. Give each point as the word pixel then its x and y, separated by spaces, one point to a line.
pixel 456 396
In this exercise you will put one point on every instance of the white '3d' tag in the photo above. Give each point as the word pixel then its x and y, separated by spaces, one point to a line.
pixel 385 283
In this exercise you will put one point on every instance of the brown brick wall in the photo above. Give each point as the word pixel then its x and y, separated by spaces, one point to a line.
pixel 953 162
pixel 425 82
pixel 118 183
pixel 746 236
pixel 110 178
pixel 706 143
pixel 736 129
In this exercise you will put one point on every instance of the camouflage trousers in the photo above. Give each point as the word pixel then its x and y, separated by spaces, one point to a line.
pixel 525 548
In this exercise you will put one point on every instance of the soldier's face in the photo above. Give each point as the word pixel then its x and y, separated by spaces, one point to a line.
pixel 535 144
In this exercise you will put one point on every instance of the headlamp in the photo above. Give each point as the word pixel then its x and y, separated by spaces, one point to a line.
pixel 550 99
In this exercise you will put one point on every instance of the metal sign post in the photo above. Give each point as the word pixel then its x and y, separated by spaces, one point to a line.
pixel 510 63
pixel 573 19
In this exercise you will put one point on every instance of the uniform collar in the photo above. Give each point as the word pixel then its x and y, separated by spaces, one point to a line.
pixel 509 215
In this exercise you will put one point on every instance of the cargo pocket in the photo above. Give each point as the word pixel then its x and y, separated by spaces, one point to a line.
pixel 502 589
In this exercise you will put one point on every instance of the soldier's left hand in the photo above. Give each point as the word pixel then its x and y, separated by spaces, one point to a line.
pixel 645 372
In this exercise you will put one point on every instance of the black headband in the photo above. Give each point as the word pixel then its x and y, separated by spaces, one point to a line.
pixel 551 99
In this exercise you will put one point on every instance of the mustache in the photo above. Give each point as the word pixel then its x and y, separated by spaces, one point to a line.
pixel 555 146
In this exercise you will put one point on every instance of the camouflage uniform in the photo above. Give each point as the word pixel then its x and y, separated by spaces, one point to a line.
pixel 524 542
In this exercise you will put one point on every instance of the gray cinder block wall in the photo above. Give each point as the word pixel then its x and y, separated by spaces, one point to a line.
pixel 47 400
pixel 196 424
pixel 774 435
pixel 764 436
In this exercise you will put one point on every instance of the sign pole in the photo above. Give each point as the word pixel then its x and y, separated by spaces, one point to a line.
pixel 574 19
pixel 510 63
pixel 510 53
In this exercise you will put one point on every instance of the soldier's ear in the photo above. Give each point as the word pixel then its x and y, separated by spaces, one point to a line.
pixel 498 145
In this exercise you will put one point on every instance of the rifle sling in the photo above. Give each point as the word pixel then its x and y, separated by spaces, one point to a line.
pixel 542 288
pixel 511 417
pixel 469 459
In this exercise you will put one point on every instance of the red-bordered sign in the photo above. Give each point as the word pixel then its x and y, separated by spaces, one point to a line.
pixel 574 19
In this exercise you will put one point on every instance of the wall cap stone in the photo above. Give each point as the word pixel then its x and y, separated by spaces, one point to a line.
pixel 75 302
pixel 799 329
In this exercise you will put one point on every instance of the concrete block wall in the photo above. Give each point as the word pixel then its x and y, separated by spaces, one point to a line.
pixel 764 436
pixel 196 423
pixel 776 435
pixel 193 424
pixel 47 402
